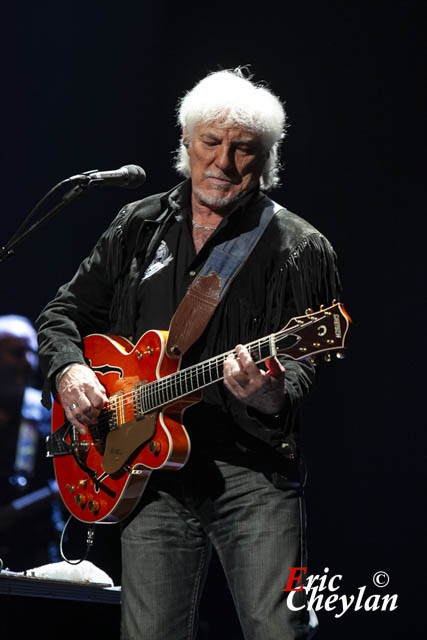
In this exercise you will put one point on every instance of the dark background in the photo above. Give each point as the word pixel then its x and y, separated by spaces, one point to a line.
pixel 95 84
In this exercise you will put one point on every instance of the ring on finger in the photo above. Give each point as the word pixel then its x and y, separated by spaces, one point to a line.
pixel 73 406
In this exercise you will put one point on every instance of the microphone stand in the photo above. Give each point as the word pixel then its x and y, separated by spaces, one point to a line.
pixel 83 181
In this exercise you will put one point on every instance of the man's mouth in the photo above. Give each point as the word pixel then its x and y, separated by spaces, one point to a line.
pixel 220 181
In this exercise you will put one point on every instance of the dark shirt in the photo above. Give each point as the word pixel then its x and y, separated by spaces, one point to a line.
pixel 176 264
pixel 167 278
pixel 161 288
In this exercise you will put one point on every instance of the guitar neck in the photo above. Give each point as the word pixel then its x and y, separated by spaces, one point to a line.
pixel 302 337
pixel 177 385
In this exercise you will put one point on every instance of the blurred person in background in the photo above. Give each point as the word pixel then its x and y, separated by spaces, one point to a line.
pixel 30 516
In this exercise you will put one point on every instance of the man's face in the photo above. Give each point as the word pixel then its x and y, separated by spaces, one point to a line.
pixel 226 162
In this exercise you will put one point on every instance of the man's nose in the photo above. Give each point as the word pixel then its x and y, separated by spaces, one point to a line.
pixel 225 158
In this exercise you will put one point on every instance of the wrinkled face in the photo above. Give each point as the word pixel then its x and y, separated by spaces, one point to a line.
pixel 226 162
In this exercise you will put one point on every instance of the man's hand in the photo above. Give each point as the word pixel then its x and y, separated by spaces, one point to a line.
pixel 261 390
pixel 82 396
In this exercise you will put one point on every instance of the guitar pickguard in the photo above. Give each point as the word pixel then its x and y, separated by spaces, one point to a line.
pixel 121 443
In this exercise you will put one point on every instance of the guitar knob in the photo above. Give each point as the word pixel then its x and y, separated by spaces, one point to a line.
pixel 340 355
pixel 93 505
pixel 155 447
pixel 327 357
pixel 80 499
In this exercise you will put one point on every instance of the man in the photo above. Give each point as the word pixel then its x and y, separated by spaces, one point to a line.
pixel 241 489
pixel 24 424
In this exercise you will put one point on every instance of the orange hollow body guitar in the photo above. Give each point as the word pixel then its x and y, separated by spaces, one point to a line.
pixel 101 475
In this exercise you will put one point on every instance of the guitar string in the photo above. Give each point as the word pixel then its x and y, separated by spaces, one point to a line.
pixel 205 366
pixel 152 390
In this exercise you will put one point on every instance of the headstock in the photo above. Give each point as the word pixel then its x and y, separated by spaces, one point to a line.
pixel 315 332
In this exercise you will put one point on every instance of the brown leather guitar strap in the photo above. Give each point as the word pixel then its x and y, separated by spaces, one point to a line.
pixel 211 285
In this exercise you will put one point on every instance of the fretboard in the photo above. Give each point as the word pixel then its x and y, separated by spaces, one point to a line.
pixel 329 334
pixel 177 385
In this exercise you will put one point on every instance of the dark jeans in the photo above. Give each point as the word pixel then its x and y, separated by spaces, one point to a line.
pixel 257 530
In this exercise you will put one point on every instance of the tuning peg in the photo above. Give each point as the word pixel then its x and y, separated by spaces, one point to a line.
pixel 340 355
pixel 327 357
pixel 321 307
pixel 307 311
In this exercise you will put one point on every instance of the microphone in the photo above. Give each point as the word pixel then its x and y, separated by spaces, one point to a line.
pixel 130 176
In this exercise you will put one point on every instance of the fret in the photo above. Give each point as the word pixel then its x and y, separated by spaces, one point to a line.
pixel 144 396
pixel 210 373
pixel 188 385
pixel 192 378
pixel 164 394
pixel 169 392
pixel 153 394
pixel 218 375
pixel 148 393
pixel 148 389
pixel 220 369
pixel 157 395
pixel 158 400
pixel 195 383
pixel 179 379
pixel 176 380
pixel 185 380
pixel 253 352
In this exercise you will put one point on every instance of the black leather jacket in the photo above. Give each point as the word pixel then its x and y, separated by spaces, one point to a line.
pixel 293 267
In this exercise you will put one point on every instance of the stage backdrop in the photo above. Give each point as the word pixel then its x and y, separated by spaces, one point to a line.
pixel 95 86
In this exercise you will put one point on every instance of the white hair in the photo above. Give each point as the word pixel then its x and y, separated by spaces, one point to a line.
pixel 20 327
pixel 235 100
